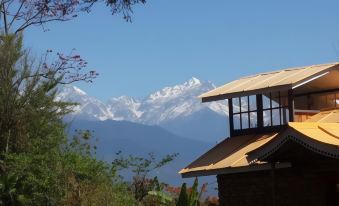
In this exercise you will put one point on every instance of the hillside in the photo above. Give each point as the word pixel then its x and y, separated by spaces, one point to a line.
pixel 138 139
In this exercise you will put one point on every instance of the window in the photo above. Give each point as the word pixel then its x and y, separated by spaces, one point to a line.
pixel 244 112
pixel 275 109
pixel 259 111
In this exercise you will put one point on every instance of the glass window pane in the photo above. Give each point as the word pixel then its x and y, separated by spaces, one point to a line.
pixel 244 120
pixel 236 121
pixel 275 99
pixel 276 117
pixel 253 103
pixel 235 105
pixel 267 118
pixel 253 120
pixel 266 101
pixel 244 104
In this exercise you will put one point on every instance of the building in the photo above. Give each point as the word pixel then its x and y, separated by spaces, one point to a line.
pixel 283 147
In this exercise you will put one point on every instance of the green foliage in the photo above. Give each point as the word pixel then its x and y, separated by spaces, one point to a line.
pixel 30 125
pixel 163 197
pixel 192 197
pixel 38 177
pixel 9 191
pixel 157 195
pixel 37 164
pixel 30 118
pixel 71 177
pixel 183 196
pixel 141 168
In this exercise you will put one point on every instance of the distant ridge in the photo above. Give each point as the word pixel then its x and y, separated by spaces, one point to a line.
pixel 139 140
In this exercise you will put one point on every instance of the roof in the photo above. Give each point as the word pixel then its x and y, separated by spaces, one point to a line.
pixel 230 153
pixel 321 138
pixel 246 153
pixel 271 81
pixel 331 116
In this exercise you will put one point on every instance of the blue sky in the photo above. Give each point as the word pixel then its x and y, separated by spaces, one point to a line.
pixel 171 41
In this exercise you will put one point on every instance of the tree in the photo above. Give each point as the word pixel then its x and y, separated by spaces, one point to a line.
pixel 9 194
pixel 37 166
pixel 141 167
pixel 17 15
pixel 23 98
pixel 19 82
pixel 192 196
pixel 32 130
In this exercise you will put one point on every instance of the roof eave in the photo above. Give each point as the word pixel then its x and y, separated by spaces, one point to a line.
pixel 211 96
pixel 245 93
pixel 233 170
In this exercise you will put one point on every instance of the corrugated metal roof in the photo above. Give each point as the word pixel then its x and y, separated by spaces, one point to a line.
pixel 321 138
pixel 251 150
pixel 330 116
pixel 230 153
pixel 264 82
pixel 327 133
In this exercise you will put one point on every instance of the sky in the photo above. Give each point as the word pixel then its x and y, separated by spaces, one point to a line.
pixel 170 41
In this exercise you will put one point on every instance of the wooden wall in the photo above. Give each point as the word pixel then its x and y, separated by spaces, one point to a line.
pixel 290 188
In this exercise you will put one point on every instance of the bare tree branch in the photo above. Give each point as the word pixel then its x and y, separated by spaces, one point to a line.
pixel 16 15
pixel 26 13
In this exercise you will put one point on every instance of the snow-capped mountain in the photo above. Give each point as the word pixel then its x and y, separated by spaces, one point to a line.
pixel 124 108
pixel 178 101
pixel 87 108
pixel 161 106
pixel 175 108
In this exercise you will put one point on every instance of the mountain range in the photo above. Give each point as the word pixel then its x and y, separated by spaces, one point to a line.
pixel 171 120
pixel 176 109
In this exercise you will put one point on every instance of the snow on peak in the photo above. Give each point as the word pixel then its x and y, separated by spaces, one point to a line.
pixel 161 106
pixel 88 107
pixel 177 90
pixel 67 90
pixel 177 101
pixel 79 91
pixel 192 82
pixel 124 108
pixel 125 99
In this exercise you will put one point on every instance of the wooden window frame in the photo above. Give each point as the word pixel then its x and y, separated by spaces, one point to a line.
pixel 280 107
pixel 259 111
pixel 240 113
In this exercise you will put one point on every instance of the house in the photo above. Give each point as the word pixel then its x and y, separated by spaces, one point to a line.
pixel 283 147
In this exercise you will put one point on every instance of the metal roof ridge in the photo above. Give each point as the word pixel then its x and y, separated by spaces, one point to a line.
pixel 275 74
pixel 327 132
pixel 289 69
